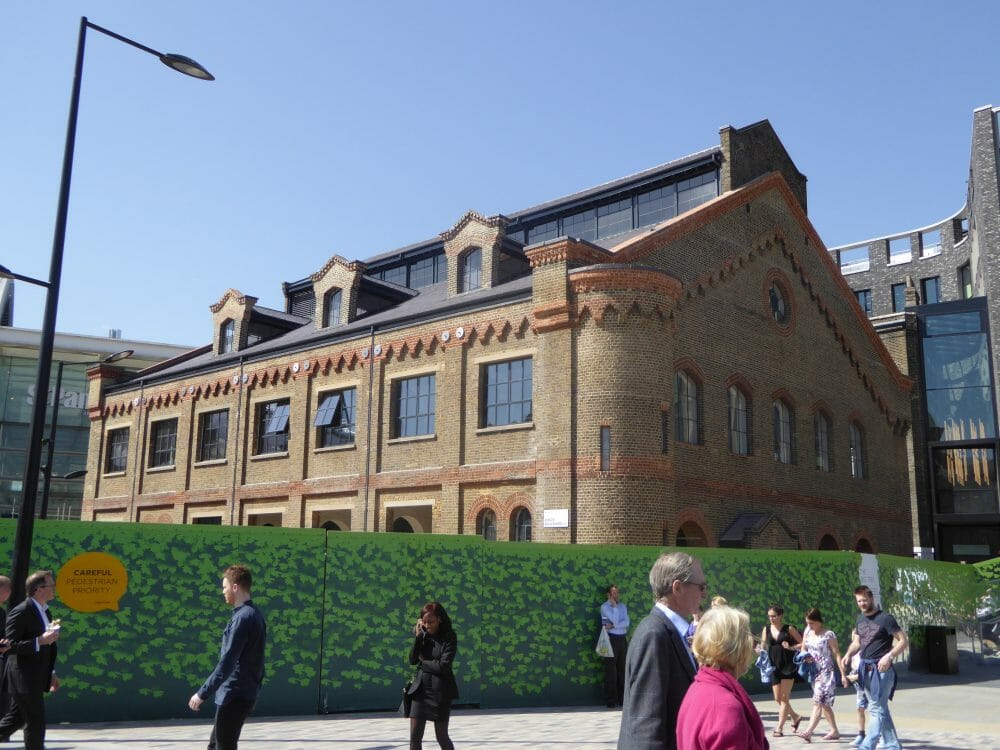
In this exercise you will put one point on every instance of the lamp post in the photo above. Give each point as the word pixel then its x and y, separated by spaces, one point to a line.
pixel 29 488
pixel 47 469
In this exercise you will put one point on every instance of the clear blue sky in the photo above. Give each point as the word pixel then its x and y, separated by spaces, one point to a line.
pixel 357 128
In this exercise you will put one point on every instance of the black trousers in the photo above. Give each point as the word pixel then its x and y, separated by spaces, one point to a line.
pixel 614 672
pixel 229 718
pixel 25 710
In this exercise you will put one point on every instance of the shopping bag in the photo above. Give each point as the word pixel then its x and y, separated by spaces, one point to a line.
pixel 604 645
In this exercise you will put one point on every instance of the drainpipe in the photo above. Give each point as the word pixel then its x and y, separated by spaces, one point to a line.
pixel 236 450
pixel 368 452
pixel 137 464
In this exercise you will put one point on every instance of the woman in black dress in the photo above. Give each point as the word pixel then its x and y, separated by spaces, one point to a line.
pixel 434 648
pixel 781 642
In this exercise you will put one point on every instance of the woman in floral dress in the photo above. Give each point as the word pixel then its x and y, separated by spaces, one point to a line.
pixel 820 644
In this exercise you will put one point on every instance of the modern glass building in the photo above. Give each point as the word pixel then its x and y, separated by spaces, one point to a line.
pixel 961 428
pixel 18 364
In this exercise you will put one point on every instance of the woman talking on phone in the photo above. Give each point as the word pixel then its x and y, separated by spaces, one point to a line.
pixel 434 648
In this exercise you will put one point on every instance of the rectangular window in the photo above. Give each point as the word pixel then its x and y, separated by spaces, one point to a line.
pixel 582 225
pixel 898 297
pixel 414 403
pixel 272 427
pixel 899 250
pixel 213 435
pixel 541 232
pixel 162 442
pixel 395 275
pixel 854 260
pixel 605 448
pixel 614 218
pixel 695 191
pixel 865 300
pixel 506 393
pixel 930 290
pixel 664 431
pixel 965 281
pixel 117 447
pixel 335 419
pixel 657 205
pixel 422 273
pixel 930 243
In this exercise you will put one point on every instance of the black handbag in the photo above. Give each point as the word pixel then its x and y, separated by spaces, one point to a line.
pixel 407 702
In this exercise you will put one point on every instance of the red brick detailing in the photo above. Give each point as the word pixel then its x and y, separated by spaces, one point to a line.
pixel 552 317
pixel 625 279
pixel 741 382
pixel 565 250
pixel 493 221
pixel 234 294
pixel 782 395
pixel 778 501
pixel 776 277
pixel 695 516
pixel 688 365
pixel 828 530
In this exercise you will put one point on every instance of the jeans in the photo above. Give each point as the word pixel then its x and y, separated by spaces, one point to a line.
pixel 878 688
pixel 229 718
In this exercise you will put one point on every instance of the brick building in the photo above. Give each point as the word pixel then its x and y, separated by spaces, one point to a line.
pixel 930 293
pixel 669 358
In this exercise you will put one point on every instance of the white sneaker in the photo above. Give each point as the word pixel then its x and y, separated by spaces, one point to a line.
pixel 858 740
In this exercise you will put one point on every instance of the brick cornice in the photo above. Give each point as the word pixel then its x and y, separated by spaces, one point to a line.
pixel 337 260
pixel 565 250
pixel 603 279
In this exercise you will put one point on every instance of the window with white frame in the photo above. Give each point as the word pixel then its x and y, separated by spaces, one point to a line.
pixel 739 421
pixel 784 433
pixel 687 408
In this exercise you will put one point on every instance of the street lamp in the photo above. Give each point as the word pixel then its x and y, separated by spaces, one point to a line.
pixel 29 488
pixel 47 469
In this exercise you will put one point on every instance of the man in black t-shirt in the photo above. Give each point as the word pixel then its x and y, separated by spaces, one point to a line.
pixel 878 638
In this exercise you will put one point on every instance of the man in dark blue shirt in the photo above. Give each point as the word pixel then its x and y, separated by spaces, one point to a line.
pixel 236 679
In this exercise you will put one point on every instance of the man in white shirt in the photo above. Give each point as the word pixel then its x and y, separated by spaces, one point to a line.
pixel 614 619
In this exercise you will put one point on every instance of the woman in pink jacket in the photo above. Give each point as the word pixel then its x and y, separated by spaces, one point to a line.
pixel 717 713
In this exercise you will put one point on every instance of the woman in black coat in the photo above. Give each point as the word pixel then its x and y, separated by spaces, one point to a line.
pixel 434 648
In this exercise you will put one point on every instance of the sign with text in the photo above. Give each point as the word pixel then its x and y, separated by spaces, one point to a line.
pixel 91 582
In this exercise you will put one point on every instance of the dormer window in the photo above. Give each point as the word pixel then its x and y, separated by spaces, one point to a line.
pixel 331 308
pixel 227 334
pixel 470 270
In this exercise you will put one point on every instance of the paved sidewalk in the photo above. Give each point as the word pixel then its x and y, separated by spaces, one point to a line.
pixel 932 712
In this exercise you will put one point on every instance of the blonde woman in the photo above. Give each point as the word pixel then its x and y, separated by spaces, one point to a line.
pixel 717 713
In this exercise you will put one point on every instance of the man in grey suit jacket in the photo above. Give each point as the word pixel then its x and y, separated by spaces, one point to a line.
pixel 659 667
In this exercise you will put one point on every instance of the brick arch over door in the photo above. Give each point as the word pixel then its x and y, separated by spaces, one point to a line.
pixel 691 518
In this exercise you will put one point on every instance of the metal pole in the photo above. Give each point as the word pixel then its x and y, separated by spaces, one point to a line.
pixel 44 513
pixel 29 488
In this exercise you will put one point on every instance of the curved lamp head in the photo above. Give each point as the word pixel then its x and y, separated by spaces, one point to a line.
pixel 117 356
pixel 186 65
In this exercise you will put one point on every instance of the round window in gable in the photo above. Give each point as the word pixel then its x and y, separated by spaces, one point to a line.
pixel 777 302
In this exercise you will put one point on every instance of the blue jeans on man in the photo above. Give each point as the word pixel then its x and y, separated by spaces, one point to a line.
pixel 879 686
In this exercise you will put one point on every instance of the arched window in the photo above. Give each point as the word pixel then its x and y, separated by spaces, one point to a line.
pixel 331 526
pixel 828 543
pixel 331 308
pixel 687 409
pixel 521 526
pixel 227 333
pixel 470 269
pixel 856 440
pixel 691 535
pixel 779 305
pixel 784 433
pixel 739 421
pixel 823 439
pixel 402 525
pixel 486 525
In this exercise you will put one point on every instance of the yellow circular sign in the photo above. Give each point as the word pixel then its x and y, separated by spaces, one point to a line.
pixel 91 582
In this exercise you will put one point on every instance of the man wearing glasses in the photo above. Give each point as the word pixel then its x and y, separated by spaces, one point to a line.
pixel 31 660
pixel 659 667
